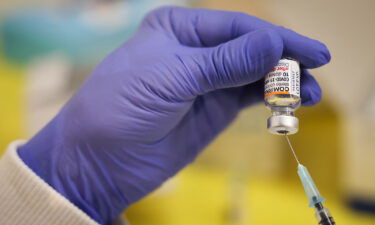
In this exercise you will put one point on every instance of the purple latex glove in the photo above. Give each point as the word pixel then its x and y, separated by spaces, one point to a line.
pixel 153 104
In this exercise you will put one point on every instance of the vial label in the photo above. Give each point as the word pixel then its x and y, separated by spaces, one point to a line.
pixel 283 79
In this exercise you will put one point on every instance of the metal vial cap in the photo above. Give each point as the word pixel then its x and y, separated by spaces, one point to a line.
pixel 282 124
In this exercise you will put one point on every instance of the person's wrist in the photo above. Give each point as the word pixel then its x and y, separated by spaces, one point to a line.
pixel 41 154
pixel 36 153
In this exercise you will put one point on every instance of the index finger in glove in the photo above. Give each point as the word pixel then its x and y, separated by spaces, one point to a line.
pixel 207 28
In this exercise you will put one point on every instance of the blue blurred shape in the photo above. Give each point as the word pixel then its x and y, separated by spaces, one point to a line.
pixel 311 190
pixel 83 35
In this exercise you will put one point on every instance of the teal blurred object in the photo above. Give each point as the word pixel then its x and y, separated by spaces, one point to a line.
pixel 311 190
pixel 82 35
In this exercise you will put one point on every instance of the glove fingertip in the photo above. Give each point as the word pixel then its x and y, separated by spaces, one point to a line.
pixel 321 57
pixel 326 53
pixel 311 92
pixel 309 52
pixel 313 99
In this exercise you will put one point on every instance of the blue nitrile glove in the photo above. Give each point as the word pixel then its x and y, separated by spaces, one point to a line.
pixel 153 104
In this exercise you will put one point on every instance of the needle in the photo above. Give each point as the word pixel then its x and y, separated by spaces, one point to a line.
pixel 291 147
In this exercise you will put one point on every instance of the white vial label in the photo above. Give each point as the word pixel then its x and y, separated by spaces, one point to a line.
pixel 283 79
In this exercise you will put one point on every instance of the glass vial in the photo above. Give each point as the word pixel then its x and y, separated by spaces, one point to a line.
pixel 282 96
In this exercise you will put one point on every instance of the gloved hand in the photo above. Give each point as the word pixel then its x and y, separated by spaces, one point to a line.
pixel 153 104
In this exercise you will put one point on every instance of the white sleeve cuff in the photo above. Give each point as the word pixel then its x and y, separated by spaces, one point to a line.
pixel 27 199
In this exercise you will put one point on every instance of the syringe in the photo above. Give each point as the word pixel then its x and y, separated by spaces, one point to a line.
pixel 316 200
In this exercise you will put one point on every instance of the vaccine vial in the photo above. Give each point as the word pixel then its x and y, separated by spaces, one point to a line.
pixel 282 96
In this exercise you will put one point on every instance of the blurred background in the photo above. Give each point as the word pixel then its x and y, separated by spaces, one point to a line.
pixel 247 176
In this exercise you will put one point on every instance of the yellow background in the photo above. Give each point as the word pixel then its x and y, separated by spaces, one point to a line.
pixel 246 176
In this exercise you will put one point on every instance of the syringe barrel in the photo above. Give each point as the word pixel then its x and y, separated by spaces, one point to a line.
pixel 311 190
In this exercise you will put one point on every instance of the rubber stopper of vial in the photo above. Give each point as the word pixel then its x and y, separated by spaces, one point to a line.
pixel 282 124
